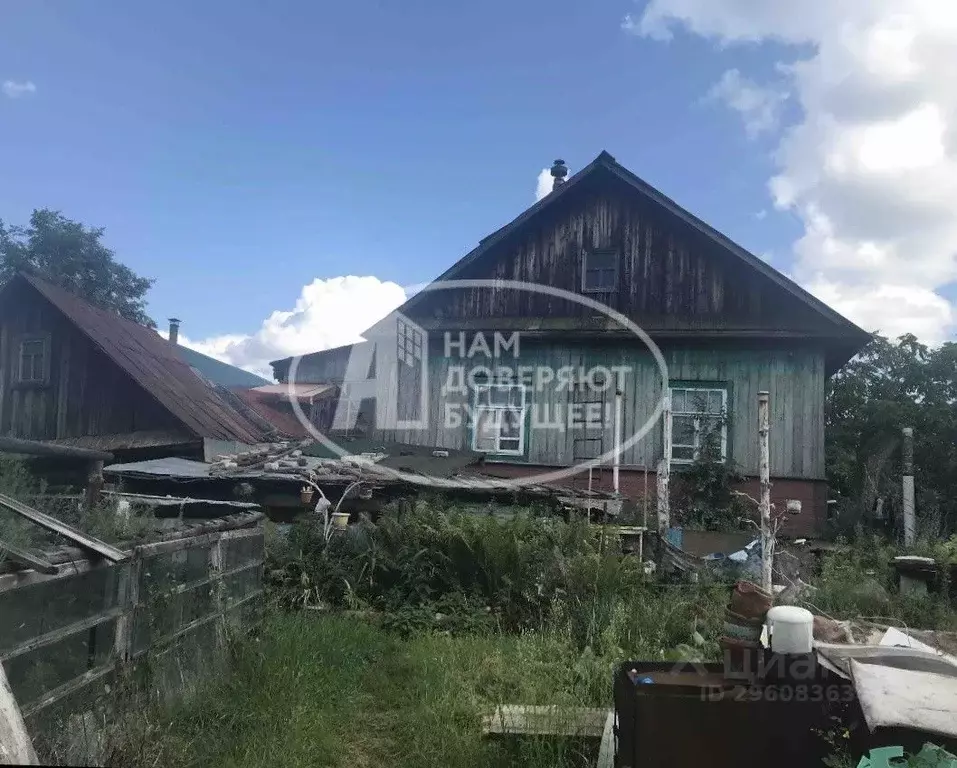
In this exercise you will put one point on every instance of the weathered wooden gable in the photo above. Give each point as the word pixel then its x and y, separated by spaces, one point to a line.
pixel 669 277
pixel 84 392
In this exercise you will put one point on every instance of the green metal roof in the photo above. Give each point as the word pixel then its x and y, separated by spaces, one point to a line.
pixel 218 372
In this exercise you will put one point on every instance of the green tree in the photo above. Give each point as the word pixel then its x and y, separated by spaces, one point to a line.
pixel 73 256
pixel 888 386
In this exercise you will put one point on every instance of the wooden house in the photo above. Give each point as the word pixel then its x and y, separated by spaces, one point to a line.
pixel 727 325
pixel 74 374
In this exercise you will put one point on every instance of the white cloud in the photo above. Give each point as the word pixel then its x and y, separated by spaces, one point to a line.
pixel 328 313
pixel 544 185
pixel 870 167
pixel 759 106
pixel 14 90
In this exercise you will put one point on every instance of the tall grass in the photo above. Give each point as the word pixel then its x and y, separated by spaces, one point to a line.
pixel 859 582
pixel 445 570
pixel 445 615
pixel 336 691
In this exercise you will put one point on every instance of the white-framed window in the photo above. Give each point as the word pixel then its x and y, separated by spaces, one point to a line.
pixel 409 343
pixel 600 271
pixel 33 360
pixel 698 414
pixel 499 419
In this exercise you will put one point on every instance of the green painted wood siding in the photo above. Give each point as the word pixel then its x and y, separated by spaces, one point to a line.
pixel 794 377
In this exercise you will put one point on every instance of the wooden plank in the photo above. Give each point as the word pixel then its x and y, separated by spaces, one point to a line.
pixel 129 595
pixel 216 562
pixel 59 634
pixel 217 576
pixel 68 687
pixel 16 748
pixel 522 720
pixel 52 524
pixel 195 624
pixel 37 448
pixel 27 559
pixel 25 578
pixel 606 752
pixel 175 545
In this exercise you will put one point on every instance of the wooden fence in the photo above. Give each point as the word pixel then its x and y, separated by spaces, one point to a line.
pixel 74 644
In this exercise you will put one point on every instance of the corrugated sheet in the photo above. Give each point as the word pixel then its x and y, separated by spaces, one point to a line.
pixel 299 391
pixel 153 363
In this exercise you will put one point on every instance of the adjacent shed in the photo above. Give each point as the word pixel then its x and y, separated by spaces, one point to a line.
pixel 79 375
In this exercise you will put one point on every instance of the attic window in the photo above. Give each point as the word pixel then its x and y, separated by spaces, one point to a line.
pixel 33 360
pixel 600 271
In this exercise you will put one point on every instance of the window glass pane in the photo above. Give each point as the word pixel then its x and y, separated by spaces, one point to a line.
pixel 34 347
pixel 711 430
pixel 511 423
pixel 677 400
pixel 682 430
pixel 602 260
pixel 682 453
pixel 508 445
pixel 482 396
pixel 515 396
pixel 486 425
pixel 715 401
pixel 591 280
pixel 485 444
pixel 500 395
pixel 607 279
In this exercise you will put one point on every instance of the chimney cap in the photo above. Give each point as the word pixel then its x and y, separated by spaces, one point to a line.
pixel 559 171
pixel 175 320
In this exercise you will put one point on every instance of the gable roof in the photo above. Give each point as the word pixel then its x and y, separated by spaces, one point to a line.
pixel 219 373
pixel 152 362
pixel 606 164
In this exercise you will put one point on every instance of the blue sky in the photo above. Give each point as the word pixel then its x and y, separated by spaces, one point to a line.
pixel 236 151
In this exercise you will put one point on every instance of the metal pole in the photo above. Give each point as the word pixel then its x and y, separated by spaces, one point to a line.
pixel 664 470
pixel 910 528
pixel 764 472
pixel 617 459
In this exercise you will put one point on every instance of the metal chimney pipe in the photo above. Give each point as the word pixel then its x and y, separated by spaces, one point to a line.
pixel 559 171
pixel 174 330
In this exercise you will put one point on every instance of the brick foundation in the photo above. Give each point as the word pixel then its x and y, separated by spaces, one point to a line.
pixel 811 493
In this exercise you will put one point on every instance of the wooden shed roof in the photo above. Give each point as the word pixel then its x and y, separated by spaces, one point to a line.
pixel 152 362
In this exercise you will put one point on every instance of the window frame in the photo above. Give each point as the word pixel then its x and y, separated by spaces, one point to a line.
pixel 586 254
pixel 32 338
pixel 478 410
pixel 705 388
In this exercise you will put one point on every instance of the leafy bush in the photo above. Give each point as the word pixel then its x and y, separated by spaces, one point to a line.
pixel 704 495
pixel 457 572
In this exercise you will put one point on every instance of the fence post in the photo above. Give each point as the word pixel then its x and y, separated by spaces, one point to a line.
pixel 16 747
pixel 216 568
pixel 128 598
pixel 764 472
pixel 664 471
pixel 910 528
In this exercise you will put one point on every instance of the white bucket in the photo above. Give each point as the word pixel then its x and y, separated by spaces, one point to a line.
pixel 791 629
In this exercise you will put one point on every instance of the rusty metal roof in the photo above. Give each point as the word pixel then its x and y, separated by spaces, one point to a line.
pixel 273 410
pixel 153 363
